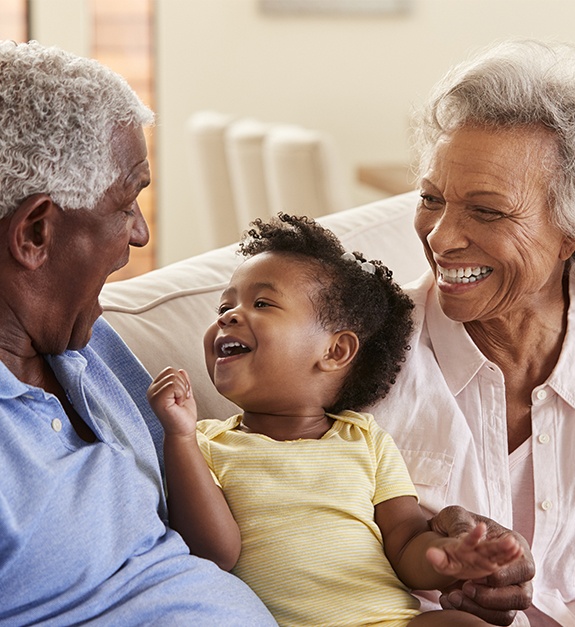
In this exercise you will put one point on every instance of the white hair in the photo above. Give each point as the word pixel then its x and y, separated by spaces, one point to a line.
pixel 514 83
pixel 57 115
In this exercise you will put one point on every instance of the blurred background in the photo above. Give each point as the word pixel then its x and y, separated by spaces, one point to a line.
pixel 353 70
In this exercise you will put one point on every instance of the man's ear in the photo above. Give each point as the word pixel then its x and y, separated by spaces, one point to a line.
pixel 31 230
pixel 342 349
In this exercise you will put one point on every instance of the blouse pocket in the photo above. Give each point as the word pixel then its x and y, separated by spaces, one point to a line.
pixel 430 472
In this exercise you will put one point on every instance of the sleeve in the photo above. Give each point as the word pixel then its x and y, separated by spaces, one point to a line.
pixel 204 444
pixel 392 477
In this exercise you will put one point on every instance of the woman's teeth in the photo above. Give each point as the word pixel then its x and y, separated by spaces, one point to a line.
pixel 464 275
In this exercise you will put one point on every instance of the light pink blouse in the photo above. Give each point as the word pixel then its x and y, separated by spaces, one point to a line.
pixel 447 415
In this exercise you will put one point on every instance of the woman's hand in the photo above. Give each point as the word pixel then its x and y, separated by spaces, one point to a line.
pixel 496 598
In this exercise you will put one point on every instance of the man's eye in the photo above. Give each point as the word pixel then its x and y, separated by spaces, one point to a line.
pixel 130 208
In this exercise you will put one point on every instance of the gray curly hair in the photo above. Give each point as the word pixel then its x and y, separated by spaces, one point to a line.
pixel 513 83
pixel 57 115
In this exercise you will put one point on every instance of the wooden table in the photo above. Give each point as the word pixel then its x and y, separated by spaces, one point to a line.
pixel 391 178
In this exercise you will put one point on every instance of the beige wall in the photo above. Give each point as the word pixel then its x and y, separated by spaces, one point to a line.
pixel 356 78
pixel 63 23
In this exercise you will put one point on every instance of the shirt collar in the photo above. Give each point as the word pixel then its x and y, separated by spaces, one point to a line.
pixel 561 379
pixel 62 365
pixel 458 357
pixel 10 386
pixel 358 419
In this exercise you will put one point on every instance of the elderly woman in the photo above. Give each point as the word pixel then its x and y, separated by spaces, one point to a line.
pixel 485 406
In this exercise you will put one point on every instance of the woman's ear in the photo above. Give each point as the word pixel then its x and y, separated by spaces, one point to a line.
pixel 31 229
pixel 341 351
pixel 567 248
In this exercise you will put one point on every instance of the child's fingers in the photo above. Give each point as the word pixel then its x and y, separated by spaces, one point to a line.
pixel 471 558
pixel 470 567
pixel 170 384
pixel 502 550
pixel 474 537
pixel 187 382
pixel 437 557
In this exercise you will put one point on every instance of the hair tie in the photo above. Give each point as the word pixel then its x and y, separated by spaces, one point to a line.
pixel 366 266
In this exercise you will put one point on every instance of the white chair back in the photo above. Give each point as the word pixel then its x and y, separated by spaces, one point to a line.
pixel 243 168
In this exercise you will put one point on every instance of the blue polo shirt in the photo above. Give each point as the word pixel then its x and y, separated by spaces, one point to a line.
pixel 83 536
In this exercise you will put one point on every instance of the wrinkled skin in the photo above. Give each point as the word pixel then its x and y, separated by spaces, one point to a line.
pixel 497 598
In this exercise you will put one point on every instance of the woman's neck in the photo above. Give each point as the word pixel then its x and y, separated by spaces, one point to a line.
pixel 528 341
pixel 526 348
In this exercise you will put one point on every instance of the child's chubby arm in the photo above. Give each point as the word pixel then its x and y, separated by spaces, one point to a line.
pixel 197 506
pixel 426 560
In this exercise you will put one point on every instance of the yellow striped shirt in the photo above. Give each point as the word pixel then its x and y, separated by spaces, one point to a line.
pixel 311 549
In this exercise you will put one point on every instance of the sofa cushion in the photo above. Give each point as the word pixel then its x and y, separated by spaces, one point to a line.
pixel 162 315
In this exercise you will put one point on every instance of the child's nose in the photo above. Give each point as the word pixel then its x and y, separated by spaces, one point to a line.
pixel 229 317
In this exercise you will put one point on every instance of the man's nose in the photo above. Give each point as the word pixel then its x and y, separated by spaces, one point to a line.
pixel 140 235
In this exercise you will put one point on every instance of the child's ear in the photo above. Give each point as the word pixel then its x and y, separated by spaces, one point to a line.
pixel 342 349
pixel 30 230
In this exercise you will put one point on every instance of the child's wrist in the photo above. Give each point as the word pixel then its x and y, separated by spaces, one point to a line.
pixel 187 437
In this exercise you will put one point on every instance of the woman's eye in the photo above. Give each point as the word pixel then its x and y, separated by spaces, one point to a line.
pixel 488 214
pixel 430 202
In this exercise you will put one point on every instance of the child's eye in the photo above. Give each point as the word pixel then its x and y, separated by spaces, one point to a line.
pixel 221 310
pixel 261 303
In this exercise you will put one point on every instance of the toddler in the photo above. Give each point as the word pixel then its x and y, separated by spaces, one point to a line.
pixel 304 497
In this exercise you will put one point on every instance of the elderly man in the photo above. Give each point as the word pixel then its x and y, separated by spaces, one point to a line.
pixel 83 535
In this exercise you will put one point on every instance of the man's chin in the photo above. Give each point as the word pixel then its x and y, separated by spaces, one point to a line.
pixel 77 344
pixel 120 265
pixel 82 332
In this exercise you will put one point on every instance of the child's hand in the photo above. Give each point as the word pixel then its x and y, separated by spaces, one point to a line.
pixel 170 395
pixel 473 556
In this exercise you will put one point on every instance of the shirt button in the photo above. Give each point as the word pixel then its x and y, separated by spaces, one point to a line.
pixel 544 438
pixel 541 394
pixel 57 425
pixel 546 505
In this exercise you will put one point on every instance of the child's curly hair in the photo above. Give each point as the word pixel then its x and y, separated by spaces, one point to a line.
pixel 349 297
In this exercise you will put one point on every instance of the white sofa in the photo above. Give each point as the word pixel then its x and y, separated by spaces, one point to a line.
pixel 162 315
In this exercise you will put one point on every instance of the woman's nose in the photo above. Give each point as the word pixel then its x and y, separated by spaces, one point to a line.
pixel 446 232
pixel 140 235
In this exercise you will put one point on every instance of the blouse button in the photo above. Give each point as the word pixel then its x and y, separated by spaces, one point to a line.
pixel 544 438
pixel 541 394
pixel 546 505
pixel 57 425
